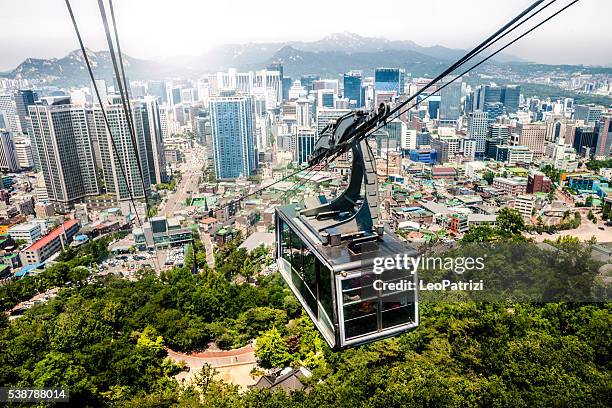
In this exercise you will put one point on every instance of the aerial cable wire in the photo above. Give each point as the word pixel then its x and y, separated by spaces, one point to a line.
pixel 490 43
pixel 499 34
pixel 125 99
pixel 104 115
pixel 490 56
pixel 99 98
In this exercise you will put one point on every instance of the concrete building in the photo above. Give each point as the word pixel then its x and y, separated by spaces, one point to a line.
pixel 511 186
pixel 23 151
pixel 29 232
pixel 162 232
pixel 233 135
pixel 477 129
pixel 533 136
pixel 64 151
pixel 50 244
pixel 525 204
pixel 8 155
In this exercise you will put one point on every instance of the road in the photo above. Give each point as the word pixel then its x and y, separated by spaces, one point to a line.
pixel 191 172
pixel 210 254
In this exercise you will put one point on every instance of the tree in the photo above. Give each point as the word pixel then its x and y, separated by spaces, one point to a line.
pixel 488 176
pixel 272 350
pixel 510 221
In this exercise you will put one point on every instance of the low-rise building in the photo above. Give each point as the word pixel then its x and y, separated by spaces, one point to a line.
pixel 162 232
pixel 524 204
pixel 50 244
pixel 511 186
pixel 29 232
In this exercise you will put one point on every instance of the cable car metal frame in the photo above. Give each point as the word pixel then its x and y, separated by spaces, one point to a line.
pixel 325 252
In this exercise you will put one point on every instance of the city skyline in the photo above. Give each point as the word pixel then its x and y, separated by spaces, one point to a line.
pixel 155 32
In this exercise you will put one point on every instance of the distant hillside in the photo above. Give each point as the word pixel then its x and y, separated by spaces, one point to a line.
pixel 71 70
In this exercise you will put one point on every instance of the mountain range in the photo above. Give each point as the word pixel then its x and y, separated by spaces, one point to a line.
pixel 330 55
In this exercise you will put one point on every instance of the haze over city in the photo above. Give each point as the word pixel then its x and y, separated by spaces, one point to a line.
pixel 306 204
pixel 162 30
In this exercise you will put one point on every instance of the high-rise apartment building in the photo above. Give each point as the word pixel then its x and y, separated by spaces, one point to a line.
pixel 233 135
pixel 147 121
pixel 64 151
pixel 124 160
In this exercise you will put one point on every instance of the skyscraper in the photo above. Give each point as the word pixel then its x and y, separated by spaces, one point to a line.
pixel 64 151
pixel 510 97
pixel 533 135
pixel 23 99
pixel 477 129
pixel 233 136
pixel 585 140
pixel 8 155
pixel 9 112
pixel 588 113
pixel 604 136
pixel 353 88
pixel 302 112
pixel 389 79
pixel 147 121
pixel 114 163
pixel 450 101
pixel 305 141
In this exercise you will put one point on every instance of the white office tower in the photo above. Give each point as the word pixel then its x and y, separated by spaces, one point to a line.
pixel 163 122
pixel 8 155
pixel 9 113
pixel 326 115
pixel 269 81
pixel 262 132
pixel 302 112
pixel 469 148
pixel 64 151
pixel 23 150
pixel 409 137
pixel 203 90
pixel 101 85
pixel 115 163
pixel 147 122
pixel 477 129
pixel 297 91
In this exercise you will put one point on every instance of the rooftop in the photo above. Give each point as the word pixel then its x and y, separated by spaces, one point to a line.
pixel 52 235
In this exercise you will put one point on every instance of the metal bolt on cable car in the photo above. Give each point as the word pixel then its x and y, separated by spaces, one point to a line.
pixel 326 251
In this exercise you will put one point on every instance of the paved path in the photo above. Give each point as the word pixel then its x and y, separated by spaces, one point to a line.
pixel 233 366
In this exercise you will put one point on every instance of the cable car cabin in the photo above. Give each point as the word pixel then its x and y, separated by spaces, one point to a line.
pixel 326 254
pixel 335 284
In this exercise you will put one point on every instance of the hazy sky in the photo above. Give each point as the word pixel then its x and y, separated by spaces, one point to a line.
pixel 156 28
